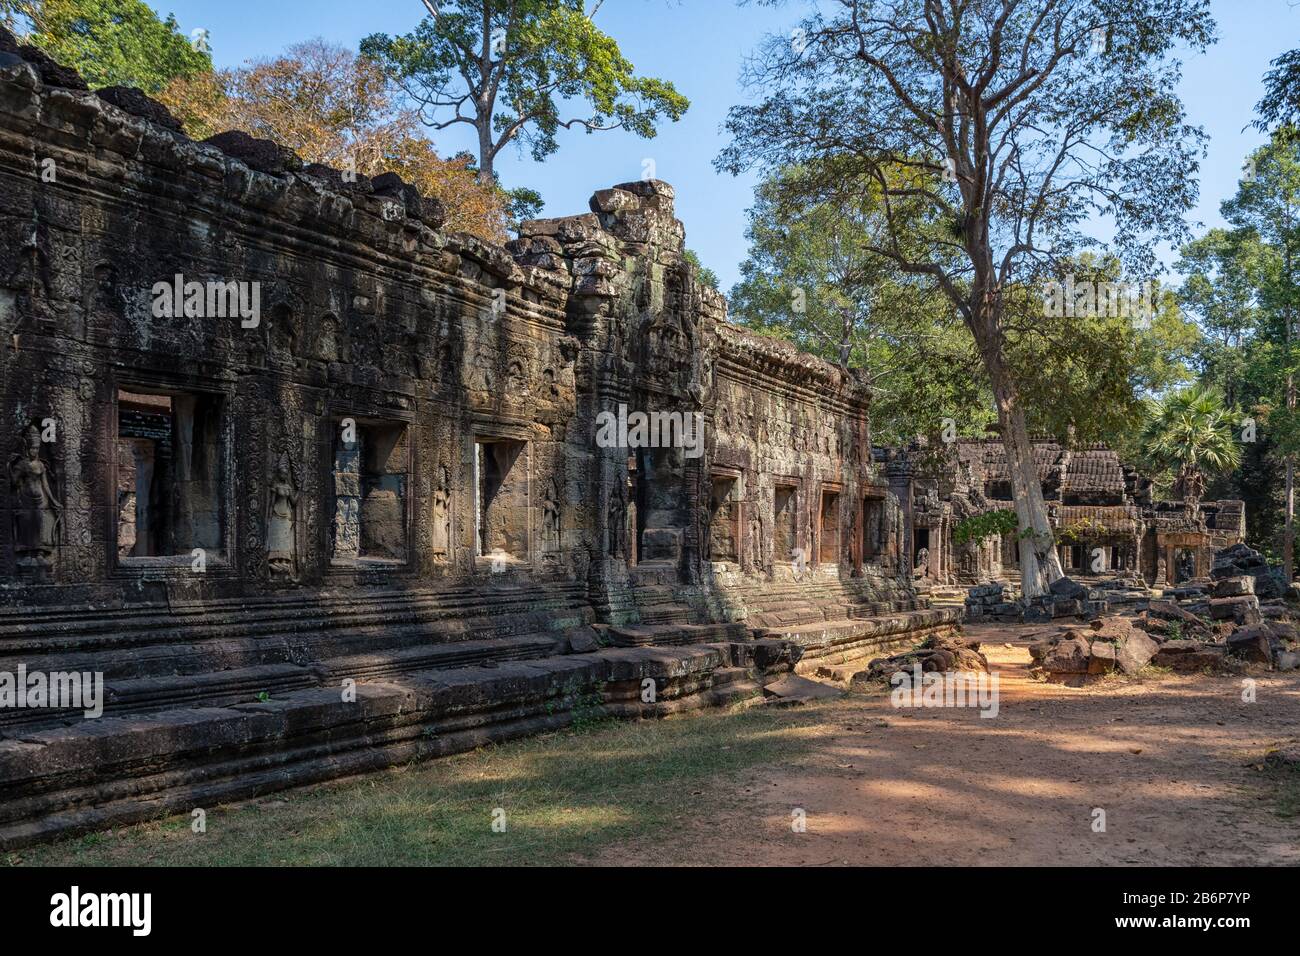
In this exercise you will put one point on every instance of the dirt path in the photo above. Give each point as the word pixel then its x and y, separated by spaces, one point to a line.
pixel 1168 759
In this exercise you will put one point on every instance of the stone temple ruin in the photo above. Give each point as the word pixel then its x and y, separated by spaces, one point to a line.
pixel 319 487
pixel 1107 521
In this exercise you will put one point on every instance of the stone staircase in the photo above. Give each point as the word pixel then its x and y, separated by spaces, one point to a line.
pixel 823 616
pixel 221 700
pixel 224 652
pixel 132 767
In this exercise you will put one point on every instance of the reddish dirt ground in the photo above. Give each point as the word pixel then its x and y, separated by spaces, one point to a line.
pixel 1173 760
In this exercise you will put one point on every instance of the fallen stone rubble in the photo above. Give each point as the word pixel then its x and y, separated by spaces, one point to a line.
pixel 1241 615
pixel 1243 561
pixel 1104 646
pixel 937 653
pixel 1165 635
pixel 1065 598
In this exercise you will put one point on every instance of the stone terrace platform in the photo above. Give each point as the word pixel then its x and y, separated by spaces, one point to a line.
pixel 226 702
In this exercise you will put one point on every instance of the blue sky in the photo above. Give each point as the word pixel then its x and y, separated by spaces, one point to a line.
pixel 700 45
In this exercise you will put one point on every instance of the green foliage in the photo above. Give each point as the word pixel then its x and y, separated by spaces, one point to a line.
pixel 514 68
pixel 981 527
pixel 706 275
pixel 1280 106
pixel 812 278
pixel 109 42
pixel 1081 530
pixel 1084 376
pixel 525 204
pixel 1240 287
pixel 1191 432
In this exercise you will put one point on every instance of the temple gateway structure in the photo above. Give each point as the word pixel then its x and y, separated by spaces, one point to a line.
pixel 1105 516
pixel 317 486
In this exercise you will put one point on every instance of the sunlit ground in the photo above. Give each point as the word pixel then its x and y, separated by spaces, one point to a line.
pixel 1176 764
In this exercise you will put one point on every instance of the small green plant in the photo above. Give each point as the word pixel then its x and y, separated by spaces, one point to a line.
pixel 1077 531
pixel 588 709
pixel 980 527
pixel 264 697
pixel 1284 781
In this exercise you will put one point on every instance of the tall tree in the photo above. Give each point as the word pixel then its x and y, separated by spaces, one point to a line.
pixel 811 278
pixel 109 42
pixel 1279 108
pixel 1224 271
pixel 1267 206
pixel 511 69
pixel 1035 116
pixel 332 107
pixel 1191 432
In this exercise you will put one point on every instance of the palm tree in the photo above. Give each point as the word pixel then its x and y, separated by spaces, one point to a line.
pixel 1190 432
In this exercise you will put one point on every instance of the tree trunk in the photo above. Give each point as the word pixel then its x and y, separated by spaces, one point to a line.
pixel 486 174
pixel 1288 534
pixel 1040 565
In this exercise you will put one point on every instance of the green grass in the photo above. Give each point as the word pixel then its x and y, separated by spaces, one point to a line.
pixel 565 796
pixel 1284 787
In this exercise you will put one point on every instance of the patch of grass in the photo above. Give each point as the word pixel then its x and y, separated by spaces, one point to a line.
pixel 1283 780
pixel 1154 671
pixel 1287 797
pixel 561 795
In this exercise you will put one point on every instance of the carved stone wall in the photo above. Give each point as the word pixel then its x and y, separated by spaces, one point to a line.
pixel 346 395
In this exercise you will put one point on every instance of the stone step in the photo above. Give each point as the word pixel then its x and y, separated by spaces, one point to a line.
pixel 835 642
pixel 44 631
pixel 214 651
pixel 120 770
pixel 647 635
pixel 242 685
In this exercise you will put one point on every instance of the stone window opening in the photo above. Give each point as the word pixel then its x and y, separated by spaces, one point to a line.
pixel 169 465
pixel 785 524
pixel 828 551
pixel 873 515
pixel 724 524
pixel 660 500
pixel 370 490
pixel 1074 557
pixel 635 508
pixel 501 500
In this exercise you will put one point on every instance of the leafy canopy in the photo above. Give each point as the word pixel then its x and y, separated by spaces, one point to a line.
pixel 1191 432
pixel 332 107
pixel 512 68
pixel 811 278
pixel 979 528
pixel 109 42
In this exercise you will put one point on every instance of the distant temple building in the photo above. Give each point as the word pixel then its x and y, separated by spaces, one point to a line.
pixel 1104 513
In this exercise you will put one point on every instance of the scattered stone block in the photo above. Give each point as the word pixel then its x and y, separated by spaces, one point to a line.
pixel 1068 588
pixel 937 653
pixel 1237 609
pixel 793 689
pixel 1252 643
pixel 1109 644
pixel 1187 657
pixel 1234 587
